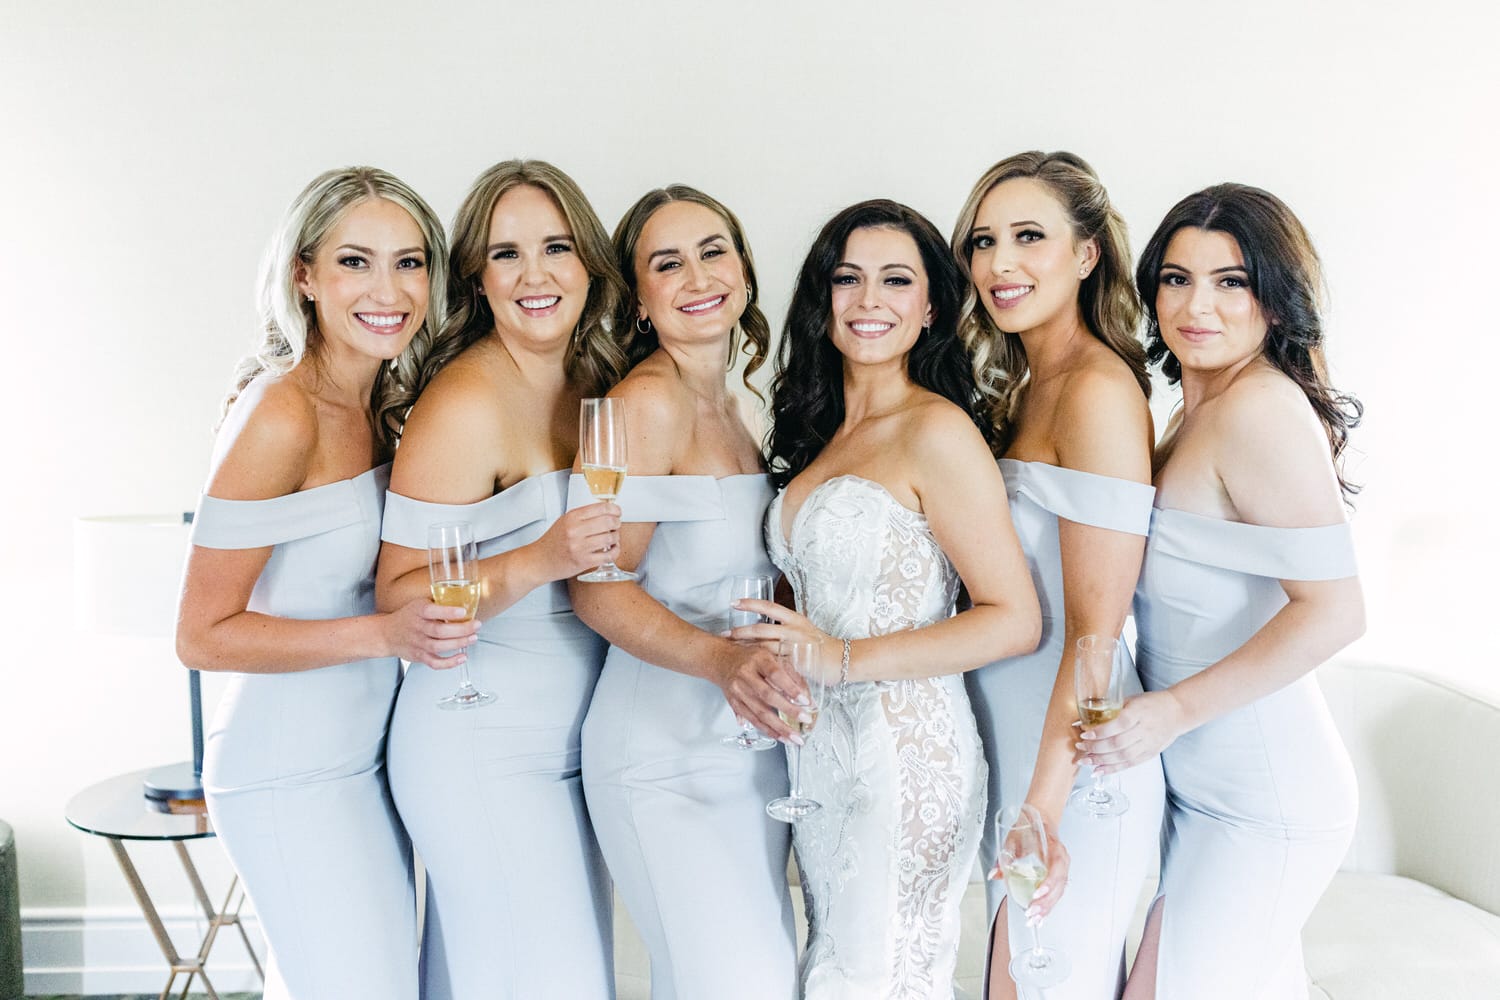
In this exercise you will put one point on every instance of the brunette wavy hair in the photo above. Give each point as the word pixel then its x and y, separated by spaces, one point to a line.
pixel 807 392
pixel 1106 297
pixel 752 333
pixel 1286 278
pixel 595 360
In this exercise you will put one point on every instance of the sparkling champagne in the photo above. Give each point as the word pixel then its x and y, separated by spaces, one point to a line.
pixel 457 594
pixel 801 727
pixel 604 481
pixel 1022 878
pixel 1097 711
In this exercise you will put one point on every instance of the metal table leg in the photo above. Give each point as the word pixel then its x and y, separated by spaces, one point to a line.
pixel 179 965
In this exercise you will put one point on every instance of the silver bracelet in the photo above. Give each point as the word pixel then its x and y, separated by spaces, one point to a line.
pixel 844 666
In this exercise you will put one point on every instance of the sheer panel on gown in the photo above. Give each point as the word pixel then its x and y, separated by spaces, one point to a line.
pixel 897 765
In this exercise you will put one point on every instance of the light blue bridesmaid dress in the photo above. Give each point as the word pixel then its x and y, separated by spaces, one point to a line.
pixel 1110 857
pixel 1261 800
pixel 680 816
pixel 518 900
pixel 294 764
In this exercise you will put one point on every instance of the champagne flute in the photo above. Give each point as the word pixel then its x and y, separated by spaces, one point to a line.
pixel 757 588
pixel 453 566
pixel 1022 836
pixel 601 452
pixel 803 658
pixel 1099 678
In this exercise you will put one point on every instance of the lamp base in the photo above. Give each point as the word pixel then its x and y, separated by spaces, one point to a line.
pixel 174 783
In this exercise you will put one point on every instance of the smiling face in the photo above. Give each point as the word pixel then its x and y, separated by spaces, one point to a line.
pixel 533 278
pixel 1208 316
pixel 690 280
pixel 1023 258
pixel 369 282
pixel 879 301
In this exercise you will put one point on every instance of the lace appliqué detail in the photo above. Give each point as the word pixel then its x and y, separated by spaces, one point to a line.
pixel 897 765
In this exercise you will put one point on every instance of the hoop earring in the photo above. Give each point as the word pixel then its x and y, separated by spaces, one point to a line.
pixel 749 294
pixel 643 325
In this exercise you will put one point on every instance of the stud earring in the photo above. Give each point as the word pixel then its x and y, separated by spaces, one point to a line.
pixel 310 298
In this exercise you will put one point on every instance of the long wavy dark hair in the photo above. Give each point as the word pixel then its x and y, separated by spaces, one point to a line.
pixel 752 333
pixel 807 392
pixel 1286 278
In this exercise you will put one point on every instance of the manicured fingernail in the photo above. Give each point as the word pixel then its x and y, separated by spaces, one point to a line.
pixel 1031 918
pixel 802 700
pixel 804 718
pixel 794 738
pixel 1041 892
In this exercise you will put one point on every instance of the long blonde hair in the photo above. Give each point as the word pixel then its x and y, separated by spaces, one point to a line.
pixel 595 359
pixel 289 323
pixel 1106 298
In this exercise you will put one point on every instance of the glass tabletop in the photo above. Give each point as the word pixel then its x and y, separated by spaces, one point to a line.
pixel 117 807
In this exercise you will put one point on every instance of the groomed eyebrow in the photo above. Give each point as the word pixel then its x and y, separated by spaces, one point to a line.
pixel 1027 222
pixel 1231 269
pixel 512 244
pixel 371 253
pixel 883 267
pixel 668 251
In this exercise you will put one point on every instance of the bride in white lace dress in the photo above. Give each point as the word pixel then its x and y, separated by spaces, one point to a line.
pixel 888 502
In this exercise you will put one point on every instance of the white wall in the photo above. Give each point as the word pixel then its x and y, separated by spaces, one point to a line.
pixel 149 148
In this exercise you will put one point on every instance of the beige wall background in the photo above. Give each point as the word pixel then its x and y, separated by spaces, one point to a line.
pixel 149 148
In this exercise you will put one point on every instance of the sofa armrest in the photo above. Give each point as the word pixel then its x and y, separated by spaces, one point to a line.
pixel 1423 749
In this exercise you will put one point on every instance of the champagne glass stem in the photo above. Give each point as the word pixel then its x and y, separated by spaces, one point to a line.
pixel 464 683
pixel 797 772
pixel 1037 957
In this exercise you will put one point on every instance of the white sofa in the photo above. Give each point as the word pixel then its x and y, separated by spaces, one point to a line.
pixel 1415 912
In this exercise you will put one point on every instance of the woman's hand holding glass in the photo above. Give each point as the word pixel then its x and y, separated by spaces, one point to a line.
pixel 1028 854
pixel 580 540
pixel 425 632
pixel 754 587
pixel 760 688
pixel 1147 725
pixel 779 624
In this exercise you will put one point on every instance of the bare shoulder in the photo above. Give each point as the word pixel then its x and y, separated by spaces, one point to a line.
pixel 1261 404
pixel 267 442
pixel 654 395
pixel 1272 453
pixel 658 416
pixel 1103 421
pixel 938 428
pixel 465 393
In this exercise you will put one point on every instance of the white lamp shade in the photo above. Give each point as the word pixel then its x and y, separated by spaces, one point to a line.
pixel 127 570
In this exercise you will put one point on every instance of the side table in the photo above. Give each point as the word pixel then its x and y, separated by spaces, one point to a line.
pixel 116 810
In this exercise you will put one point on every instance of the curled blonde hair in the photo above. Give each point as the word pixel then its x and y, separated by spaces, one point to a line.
pixel 595 359
pixel 1106 298
pixel 289 323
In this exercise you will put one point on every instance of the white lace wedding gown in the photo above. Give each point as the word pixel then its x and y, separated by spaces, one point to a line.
pixel 897 765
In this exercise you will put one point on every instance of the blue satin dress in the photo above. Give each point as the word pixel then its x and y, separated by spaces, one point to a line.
pixel 1110 857
pixel 1261 800
pixel 518 898
pixel 294 763
pixel 680 816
